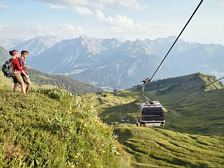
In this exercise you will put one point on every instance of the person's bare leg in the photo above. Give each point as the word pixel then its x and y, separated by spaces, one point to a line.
pixel 15 87
pixel 21 82
pixel 23 88
pixel 28 84
pixel 28 88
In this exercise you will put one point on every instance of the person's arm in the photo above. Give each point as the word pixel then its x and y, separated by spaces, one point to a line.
pixel 17 66
pixel 24 73
pixel 23 66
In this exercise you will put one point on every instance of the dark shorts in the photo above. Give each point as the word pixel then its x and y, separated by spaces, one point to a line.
pixel 15 80
pixel 25 80
pixel 18 79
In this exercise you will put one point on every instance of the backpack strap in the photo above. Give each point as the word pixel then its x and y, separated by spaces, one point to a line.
pixel 10 62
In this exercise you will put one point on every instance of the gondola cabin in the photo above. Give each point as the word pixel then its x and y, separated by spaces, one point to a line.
pixel 151 114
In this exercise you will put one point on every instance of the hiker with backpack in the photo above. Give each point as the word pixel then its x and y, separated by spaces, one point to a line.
pixel 17 71
pixel 22 62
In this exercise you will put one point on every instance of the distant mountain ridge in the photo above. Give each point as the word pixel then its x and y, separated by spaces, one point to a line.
pixel 11 42
pixel 111 63
pixel 4 55
pixel 38 44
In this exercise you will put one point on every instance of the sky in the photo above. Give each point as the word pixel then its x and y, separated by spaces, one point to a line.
pixel 123 19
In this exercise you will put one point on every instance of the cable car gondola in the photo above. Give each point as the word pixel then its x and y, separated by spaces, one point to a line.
pixel 151 114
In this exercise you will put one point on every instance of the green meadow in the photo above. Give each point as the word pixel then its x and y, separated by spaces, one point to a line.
pixel 51 127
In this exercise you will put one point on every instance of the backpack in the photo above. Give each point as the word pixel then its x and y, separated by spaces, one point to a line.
pixel 7 69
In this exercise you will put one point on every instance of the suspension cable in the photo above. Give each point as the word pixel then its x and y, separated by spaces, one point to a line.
pixel 149 80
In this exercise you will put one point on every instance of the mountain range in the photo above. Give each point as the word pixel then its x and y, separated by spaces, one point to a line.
pixel 37 45
pixel 111 63
pixel 3 55
pixel 10 43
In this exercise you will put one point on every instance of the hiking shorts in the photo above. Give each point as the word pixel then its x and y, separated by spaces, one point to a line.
pixel 18 79
pixel 26 79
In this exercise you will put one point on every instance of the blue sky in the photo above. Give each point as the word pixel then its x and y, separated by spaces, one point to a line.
pixel 124 19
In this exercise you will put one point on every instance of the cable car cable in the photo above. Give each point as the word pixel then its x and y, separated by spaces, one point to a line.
pixel 149 80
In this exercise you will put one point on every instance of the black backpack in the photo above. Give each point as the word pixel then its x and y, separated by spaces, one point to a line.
pixel 7 69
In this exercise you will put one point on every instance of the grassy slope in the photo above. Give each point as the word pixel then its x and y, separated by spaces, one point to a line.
pixel 192 137
pixel 201 113
pixel 51 128
pixel 155 147
pixel 5 83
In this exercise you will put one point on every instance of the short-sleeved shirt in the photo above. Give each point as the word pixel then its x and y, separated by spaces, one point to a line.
pixel 22 63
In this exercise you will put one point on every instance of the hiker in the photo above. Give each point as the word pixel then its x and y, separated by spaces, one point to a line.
pixel 22 62
pixel 17 69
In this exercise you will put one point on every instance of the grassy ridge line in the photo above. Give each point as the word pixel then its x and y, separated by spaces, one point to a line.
pixel 184 83
pixel 51 128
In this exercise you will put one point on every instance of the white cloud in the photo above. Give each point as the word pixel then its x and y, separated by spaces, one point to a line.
pixel 56 6
pixel 119 23
pixel 83 11
pixel 205 66
pixel 3 6
pixel 65 30
pixel 97 4
pixel 124 27
pixel 68 29
pixel 132 4
pixel 220 2
pixel 117 20
pixel 86 7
